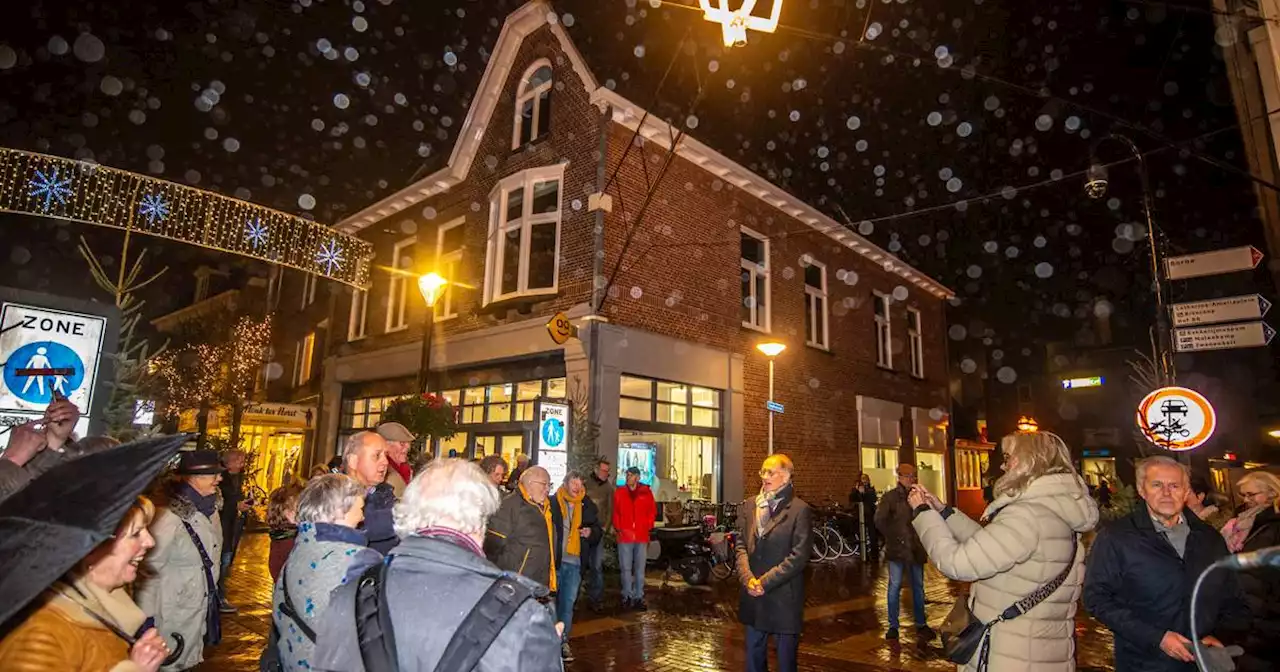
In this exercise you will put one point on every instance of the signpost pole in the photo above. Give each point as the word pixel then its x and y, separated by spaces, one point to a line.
pixel 771 413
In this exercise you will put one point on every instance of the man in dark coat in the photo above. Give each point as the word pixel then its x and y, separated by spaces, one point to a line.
pixel 1141 571
pixel 365 459
pixel 905 553
pixel 778 541
pixel 232 513
pixel 519 537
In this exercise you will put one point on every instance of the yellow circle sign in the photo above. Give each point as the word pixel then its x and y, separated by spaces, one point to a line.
pixel 1176 418
pixel 561 329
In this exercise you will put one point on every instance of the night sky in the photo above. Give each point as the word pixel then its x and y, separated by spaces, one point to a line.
pixel 952 134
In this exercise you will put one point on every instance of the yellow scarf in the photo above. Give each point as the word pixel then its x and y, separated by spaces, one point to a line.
pixel 551 534
pixel 573 545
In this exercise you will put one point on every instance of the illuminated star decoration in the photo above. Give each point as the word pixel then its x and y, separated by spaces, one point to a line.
pixel 330 256
pixel 154 208
pixel 50 188
pixel 737 22
pixel 256 233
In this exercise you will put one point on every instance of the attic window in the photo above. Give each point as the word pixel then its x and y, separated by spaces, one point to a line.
pixel 533 105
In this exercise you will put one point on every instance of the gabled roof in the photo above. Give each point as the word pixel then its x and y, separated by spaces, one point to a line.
pixel 533 16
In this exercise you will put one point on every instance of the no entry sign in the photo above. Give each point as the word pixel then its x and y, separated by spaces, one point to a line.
pixel 1176 418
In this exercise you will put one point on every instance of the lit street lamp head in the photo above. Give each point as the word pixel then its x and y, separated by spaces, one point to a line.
pixel 432 286
pixel 1095 184
pixel 771 349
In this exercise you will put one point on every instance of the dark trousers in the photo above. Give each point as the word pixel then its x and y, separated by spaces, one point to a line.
pixel 758 651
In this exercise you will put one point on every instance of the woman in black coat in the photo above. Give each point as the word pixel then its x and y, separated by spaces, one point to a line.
pixel 777 543
pixel 1260 590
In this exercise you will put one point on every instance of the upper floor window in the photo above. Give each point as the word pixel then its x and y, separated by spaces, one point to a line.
pixel 533 105
pixel 884 331
pixel 449 240
pixel 755 280
pixel 357 324
pixel 308 290
pixel 302 360
pixel 916 342
pixel 397 297
pixel 523 254
pixel 815 304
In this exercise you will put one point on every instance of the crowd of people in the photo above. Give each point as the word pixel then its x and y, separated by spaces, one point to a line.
pixel 484 563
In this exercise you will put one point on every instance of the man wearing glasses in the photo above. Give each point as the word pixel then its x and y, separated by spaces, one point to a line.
pixel 905 553
pixel 519 537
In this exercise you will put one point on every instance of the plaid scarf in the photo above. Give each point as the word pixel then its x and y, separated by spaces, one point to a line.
pixel 766 502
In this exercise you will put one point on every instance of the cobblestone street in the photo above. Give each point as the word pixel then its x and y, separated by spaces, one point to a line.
pixel 688 629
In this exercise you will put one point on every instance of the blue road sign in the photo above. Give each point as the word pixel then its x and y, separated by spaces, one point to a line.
pixel 553 432
pixel 36 370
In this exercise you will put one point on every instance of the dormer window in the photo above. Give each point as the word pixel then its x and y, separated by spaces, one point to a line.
pixel 533 105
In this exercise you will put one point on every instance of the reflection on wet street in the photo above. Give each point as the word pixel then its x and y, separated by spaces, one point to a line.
pixel 689 629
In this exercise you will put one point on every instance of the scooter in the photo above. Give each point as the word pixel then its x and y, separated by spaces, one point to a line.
pixel 686 551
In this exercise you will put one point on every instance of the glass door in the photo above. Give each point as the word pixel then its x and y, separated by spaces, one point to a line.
pixel 506 445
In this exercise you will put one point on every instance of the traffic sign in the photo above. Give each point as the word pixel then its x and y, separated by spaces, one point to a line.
pixel 1234 309
pixel 773 406
pixel 1176 418
pixel 553 439
pixel 561 329
pixel 46 351
pixel 1223 337
pixel 1213 263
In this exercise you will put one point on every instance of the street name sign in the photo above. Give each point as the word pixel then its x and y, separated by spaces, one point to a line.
pixel 773 406
pixel 1223 337
pixel 1216 262
pixel 1234 309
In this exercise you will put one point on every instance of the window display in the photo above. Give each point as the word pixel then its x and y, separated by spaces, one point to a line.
pixel 677 466
pixel 932 470
pixel 881 464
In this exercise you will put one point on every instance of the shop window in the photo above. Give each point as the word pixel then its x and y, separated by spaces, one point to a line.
pixel 456 442
pixel 500 402
pixel 815 304
pixel 473 401
pixel 970 467
pixel 523 254
pixel 557 389
pixel 449 264
pixel 398 290
pixel 679 467
pixel 505 402
pixel 533 104
pixel 931 468
pixel 365 413
pixel 755 280
pixel 884 351
pixel 916 342
pixel 881 464
pixel 649 400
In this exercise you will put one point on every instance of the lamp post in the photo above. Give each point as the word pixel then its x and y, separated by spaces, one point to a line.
pixel 771 350
pixel 1096 187
pixel 432 286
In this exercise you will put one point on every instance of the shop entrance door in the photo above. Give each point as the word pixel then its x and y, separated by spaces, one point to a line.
pixel 506 445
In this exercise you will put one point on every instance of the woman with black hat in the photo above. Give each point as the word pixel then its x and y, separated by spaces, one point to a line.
pixel 179 583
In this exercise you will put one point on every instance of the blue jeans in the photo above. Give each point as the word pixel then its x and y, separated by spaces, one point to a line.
pixel 917 592
pixel 758 651
pixel 631 558
pixel 568 581
pixel 595 573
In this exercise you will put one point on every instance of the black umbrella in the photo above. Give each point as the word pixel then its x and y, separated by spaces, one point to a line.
pixel 66 512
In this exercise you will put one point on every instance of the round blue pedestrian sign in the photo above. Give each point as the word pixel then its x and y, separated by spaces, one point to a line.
pixel 552 432
pixel 36 370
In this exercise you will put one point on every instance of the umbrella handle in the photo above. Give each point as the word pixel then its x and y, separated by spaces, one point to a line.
pixel 179 645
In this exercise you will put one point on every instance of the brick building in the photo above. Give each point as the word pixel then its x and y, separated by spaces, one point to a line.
pixel 538 212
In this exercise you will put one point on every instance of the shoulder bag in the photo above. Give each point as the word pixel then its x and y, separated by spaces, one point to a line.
pixel 213 616
pixel 963 634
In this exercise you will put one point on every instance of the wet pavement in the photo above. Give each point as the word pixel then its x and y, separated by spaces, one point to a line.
pixel 690 629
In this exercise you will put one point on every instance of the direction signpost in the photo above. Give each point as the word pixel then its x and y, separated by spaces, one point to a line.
pixel 1216 262
pixel 1223 337
pixel 1213 311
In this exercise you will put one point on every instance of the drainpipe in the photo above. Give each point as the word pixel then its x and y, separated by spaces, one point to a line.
pixel 597 272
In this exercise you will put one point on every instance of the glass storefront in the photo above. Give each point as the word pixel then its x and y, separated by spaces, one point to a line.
pixel 932 470
pixel 1097 469
pixel 673 433
pixel 881 465
pixel 971 465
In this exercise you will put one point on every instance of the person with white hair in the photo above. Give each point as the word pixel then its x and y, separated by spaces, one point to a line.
pixel 364 458
pixel 328 551
pixel 435 582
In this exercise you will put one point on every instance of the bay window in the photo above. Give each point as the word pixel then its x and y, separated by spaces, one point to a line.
pixel 523 253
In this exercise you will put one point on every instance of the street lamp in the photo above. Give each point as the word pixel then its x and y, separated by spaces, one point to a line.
pixel 1027 423
pixel 771 350
pixel 735 23
pixel 432 286
pixel 1096 187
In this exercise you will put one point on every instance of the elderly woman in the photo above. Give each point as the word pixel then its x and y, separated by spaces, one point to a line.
pixel 329 549
pixel 1255 529
pixel 86 620
pixel 1031 541
pixel 179 582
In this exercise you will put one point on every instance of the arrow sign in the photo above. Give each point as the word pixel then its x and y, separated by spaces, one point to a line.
pixel 1234 309
pixel 1223 337
pixel 1216 262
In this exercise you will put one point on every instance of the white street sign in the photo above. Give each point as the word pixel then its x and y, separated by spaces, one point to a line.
pixel 1223 337
pixel 1234 309
pixel 553 440
pixel 1213 263
pixel 43 351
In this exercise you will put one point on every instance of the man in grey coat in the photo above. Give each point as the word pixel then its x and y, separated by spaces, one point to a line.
pixel 434 578
pixel 600 486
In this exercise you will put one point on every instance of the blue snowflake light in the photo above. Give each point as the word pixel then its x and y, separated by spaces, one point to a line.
pixel 154 208
pixel 50 188
pixel 330 256
pixel 256 233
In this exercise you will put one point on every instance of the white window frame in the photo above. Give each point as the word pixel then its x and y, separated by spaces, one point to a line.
pixel 358 322
pixel 448 266
pixel 308 290
pixel 819 306
pixel 916 342
pixel 756 271
pixel 524 93
pixel 397 318
pixel 499 226
pixel 884 329
pixel 303 354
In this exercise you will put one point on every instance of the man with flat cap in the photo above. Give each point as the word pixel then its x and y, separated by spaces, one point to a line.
pixel 398 438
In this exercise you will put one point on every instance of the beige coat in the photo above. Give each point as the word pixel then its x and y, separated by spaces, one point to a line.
pixel 1023 547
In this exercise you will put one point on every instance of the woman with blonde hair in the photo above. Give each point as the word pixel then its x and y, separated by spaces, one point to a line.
pixel 1255 529
pixel 86 621
pixel 1026 564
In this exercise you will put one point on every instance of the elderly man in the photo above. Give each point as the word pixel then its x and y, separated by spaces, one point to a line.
pixel 777 543
pixel 520 537
pixel 442 521
pixel 905 553
pixel 513 479
pixel 600 488
pixel 364 458
pixel 398 438
pixel 495 468
pixel 1142 568
pixel 37 446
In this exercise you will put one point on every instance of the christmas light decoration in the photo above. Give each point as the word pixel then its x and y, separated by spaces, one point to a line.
pixel 737 22
pixel 51 186
pixel 210 375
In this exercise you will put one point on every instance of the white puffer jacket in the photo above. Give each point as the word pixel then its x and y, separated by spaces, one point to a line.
pixel 1026 545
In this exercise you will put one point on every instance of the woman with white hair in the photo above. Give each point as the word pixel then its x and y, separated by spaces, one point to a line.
pixel 1255 529
pixel 328 550
pixel 1030 545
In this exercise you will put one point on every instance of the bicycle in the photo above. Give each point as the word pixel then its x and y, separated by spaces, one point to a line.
pixel 829 542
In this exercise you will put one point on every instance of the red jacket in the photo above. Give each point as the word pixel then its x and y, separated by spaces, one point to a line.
pixel 634 513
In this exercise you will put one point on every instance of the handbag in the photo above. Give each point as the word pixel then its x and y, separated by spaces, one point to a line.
pixel 963 634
